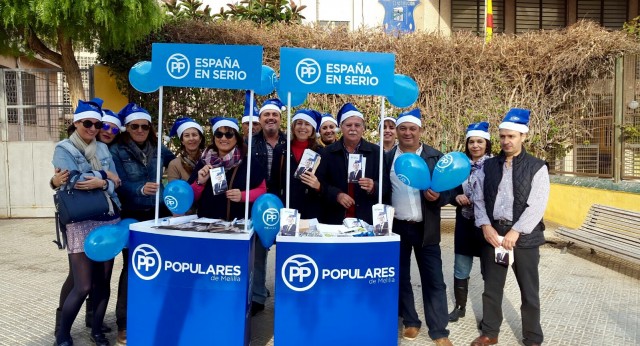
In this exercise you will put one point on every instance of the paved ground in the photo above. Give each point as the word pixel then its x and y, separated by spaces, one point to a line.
pixel 586 299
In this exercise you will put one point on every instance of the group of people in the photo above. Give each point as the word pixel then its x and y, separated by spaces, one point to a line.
pixel 500 204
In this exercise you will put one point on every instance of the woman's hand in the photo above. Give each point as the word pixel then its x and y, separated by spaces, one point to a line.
pixel 60 177
pixel 203 174
pixel 90 183
pixel 234 195
pixel 150 188
pixel 114 177
pixel 463 200
pixel 311 180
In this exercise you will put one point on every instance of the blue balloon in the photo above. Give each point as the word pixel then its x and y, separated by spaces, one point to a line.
pixel 451 170
pixel 141 78
pixel 178 196
pixel 105 242
pixel 268 81
pixel 265 216
pixel 124 224
pixel 405 91
pixel 296 98
pixel 412 170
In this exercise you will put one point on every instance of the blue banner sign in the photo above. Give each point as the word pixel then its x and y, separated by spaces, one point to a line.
pixel 398 15
pixel 336 72
pixel 183 283
pixel 322 295
pixel 207 65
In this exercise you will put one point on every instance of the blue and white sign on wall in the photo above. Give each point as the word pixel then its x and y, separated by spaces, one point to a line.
pixel 336 72
pixel 207 65
pixel 398 15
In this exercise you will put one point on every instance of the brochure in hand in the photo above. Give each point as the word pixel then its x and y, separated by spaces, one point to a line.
pixel 308 163
pixel 356 168
pixel 218 180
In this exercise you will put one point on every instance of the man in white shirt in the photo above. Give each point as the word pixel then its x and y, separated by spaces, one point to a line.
pixel 417 221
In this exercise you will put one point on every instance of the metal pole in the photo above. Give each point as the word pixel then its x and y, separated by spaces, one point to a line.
pixel 19 104
pixel 617 120
pixel 382 115
pixel 288 147
pixel 159 157
pixel 249 155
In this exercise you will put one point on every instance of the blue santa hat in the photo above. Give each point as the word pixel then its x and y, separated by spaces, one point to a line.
pixel 87 110
pixel 412 116
pixel 327 117
pixel 273 104
pixel 110 117
pixel 183 124
pixel 218 122
pixel 133 112
pixel 311 116
pixel 247 115
pixel 348 110
pixel 392 119
pixel 480 129
pixel 517 119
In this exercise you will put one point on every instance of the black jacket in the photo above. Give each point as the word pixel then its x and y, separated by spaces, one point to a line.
pixel 215 206
pixel 301 197
pixel 430 210
pixel 259 151
pixel 332 174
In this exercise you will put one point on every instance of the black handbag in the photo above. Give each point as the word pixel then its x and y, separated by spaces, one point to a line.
pixel 75 205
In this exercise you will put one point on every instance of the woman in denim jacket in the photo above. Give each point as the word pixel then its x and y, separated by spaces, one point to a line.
pixel 92 159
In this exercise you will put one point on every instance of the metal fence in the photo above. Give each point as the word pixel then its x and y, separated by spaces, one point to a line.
pixel 36 103
pixel 606 145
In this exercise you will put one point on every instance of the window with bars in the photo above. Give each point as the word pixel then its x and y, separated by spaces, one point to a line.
pixel 540 14
pixel 609 13
pixel 469 15
pixel 21 92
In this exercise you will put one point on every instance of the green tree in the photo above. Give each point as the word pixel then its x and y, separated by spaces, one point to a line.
pixel 188 9
pixel 264 11
pixel 54 29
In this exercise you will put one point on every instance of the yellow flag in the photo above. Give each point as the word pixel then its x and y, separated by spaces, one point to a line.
pixel 488 21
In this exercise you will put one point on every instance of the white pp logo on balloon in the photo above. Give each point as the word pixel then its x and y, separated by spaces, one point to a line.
pixel 171 202
pixel 271 217
pixel 403 179
pixel 445 161
pixel 178 66
pixel 308 71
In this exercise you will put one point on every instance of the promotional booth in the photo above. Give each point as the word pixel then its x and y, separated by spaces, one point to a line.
pixel 188 288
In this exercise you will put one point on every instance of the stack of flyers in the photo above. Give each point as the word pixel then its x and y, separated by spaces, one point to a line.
pixel 382 219
pixel 289 219
pixel 503 256
pixel 356 168
pixel 308 163
pixel 218 180
pixel 309 228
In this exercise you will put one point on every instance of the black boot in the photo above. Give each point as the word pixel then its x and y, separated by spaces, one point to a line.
pixel 57 327
pixel 88 317
pixel 460 291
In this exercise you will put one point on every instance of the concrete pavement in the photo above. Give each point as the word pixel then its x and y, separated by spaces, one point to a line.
pixel 587 299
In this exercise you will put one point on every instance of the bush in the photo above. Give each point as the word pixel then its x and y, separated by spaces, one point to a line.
pixel 461 79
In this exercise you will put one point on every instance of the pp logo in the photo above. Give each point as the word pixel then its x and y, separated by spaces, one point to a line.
pixel 445 161
pixel 308 71
pixel 178 66
pixel 271 217
pixel 171 202
pixel 146 261
pixel 299 272
pixel 403 179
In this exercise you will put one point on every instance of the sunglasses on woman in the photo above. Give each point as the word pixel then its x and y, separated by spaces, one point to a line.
pixel 135 127
pixel 88 123
pixel 227 135
pixel 114 129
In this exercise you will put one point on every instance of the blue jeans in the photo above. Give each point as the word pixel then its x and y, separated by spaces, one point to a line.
pixel 259 287
pixel 462 266
pixel 434 290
